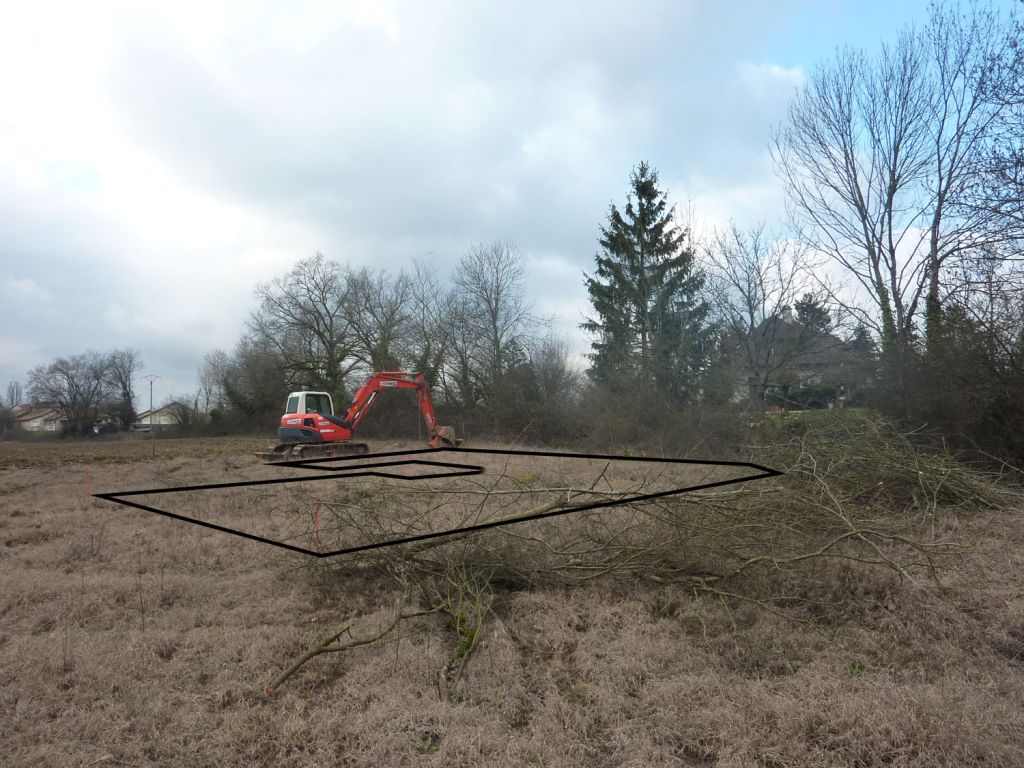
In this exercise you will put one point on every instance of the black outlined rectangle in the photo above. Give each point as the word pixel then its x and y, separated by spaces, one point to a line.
pixel 431 469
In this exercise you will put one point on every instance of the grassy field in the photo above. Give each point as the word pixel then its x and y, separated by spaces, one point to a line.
pixel 130 639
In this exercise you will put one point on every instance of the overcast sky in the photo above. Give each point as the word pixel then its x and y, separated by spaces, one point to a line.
pixel 157 161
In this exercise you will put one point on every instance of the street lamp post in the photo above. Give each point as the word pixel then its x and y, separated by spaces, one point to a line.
pixel 152 434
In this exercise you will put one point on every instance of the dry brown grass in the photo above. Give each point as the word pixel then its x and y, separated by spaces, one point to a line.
pixel 126 639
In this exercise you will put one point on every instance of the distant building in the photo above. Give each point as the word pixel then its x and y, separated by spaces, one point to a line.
pixel 168 416
pixel 794 357
pixel 38 418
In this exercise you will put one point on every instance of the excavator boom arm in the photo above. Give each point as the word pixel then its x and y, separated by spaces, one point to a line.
pixel 367 396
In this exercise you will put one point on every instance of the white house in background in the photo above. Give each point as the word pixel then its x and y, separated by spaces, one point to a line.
pixel 168 415
pixel 37 418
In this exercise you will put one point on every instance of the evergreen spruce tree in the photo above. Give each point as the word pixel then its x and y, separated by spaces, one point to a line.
pixel 812 312
pixel 650 321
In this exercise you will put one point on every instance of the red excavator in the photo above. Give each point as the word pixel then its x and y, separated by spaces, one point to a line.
pixel 310 428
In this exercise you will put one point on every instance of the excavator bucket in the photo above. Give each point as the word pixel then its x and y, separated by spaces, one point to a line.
pixel 446 437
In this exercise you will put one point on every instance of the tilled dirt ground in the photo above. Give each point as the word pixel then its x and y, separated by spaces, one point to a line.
pixel 53 453
pixel 130 639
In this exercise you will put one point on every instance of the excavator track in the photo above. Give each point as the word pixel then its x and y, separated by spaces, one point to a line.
pixel 290 451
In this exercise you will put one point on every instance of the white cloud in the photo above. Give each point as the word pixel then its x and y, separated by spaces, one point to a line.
pixel 17 356
pixel 747 203
pixel 758 76
pixel 158 160
pixel 24 290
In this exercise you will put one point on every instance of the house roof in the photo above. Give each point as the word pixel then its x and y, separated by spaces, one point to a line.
pixel 44 412
pixel 808 347
pixel 166 406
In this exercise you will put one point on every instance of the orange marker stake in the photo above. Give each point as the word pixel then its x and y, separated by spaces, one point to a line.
pixel 316 527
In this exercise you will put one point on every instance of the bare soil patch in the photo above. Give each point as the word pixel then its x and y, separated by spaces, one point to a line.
pixel 128 639
pixel 122 449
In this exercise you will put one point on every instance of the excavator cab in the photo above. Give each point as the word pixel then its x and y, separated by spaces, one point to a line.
pixel 309 418
pixel 309 402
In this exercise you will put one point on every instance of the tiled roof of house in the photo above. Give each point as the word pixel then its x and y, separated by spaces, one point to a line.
pixel 174 404
pixel 44 412
pixel 807 347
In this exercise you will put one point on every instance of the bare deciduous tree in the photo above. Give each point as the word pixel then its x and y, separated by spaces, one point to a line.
pixel 302 316
pixel 15 394
pixel 881 159
pixel 77 386
pixel 211 379
pixel 462 382
pixel 378 309
pixel 753 279
pixel 557 379
pixel 992 296
pixel 981 357
pixel 494 314
pixel 428 323
pixel 182 410
pixel 255 382
pixel 122 365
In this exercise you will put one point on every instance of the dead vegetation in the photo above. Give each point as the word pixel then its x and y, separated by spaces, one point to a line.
pixel 865 609
pixel 857 498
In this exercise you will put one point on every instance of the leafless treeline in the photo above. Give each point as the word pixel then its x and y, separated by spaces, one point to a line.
pixel 85 389
pixel 325 324
pixel 903 171
pixel 904 180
